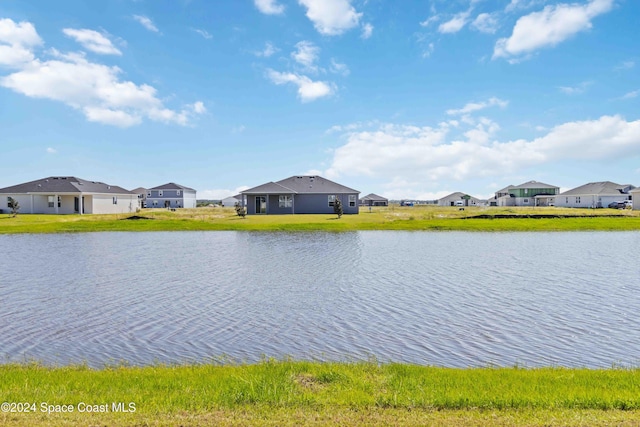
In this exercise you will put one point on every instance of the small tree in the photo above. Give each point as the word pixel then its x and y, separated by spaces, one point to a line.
pixel 240 210
pixel 337 207
pixel 14 206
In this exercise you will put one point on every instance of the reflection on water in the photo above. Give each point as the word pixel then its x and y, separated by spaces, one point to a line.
pixel 449 299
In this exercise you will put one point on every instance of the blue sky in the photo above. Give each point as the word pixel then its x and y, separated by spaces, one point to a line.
pixel 406 99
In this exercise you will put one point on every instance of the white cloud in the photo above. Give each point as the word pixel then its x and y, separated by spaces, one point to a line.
pixel 94 89
pixel 306 54
pixel 422 154
pixel 428 50
pixel 238 129
pixel 339 68
pixel 485 23
pixel 631 95
pixel 199 107
pixel 146 22
pixel 308 90
pixel 430 20
pixel 51 150
pixel 331 17
pixel 552 25
pixel 626 65
pixel 203 33
pixel 269 49
pixel 219 194
pixel 16 43
pixel 455 24
pixel 269 7
pixel 476 106
pixel 93 41
pixel 367 31
pixel 575 90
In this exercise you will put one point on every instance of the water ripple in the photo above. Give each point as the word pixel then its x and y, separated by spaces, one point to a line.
pixel 450 299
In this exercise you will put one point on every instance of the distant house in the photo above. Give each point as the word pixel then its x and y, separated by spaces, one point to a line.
pixel 635 198
pixel 458 199
pixel 231 200
pixel 595 195
pixel 374 200
pixel 69 195
pixel 300 195
pixel 530 193
pixel 171 195
pixel 142 196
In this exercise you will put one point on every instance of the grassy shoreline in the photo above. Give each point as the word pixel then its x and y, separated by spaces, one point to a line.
pixel 289 392
pixel 422 218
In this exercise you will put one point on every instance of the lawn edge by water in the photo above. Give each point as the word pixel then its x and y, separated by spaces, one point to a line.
pixel 287 392
pixel 393 218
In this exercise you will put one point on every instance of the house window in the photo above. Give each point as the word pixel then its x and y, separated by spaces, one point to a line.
pixel 567 200
pixel 155 203
pixel 526 201
pixel 352 200
pixel 285 201
pixel 332 200
pixel 148 193
pixel 9 203
pixel 578 199
pixel 115 200
pixel 159 193
pixel 52 200
pixel 178 192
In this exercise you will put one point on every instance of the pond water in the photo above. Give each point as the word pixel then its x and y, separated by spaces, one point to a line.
pixel 449 299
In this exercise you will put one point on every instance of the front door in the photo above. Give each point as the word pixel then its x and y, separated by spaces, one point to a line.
pixel 261 205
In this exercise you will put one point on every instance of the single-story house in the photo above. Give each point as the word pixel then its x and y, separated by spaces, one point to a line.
pixel 171 195
pixel 69 195
pixel 374 200
pixel 594 195
pixel 458 199
pixel 530 193
pixel 300 195
pixel 231 200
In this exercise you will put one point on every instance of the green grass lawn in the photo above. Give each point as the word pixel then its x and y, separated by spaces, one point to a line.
pixel 387 218
pixel 322 393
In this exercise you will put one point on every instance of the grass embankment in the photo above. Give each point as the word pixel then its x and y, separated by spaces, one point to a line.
pixel 312 393
pixel 388 218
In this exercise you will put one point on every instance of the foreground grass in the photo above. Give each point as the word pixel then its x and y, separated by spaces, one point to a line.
pixel 312 393
pixel 391 218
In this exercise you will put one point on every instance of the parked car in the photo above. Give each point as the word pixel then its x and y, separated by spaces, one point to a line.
pixel 617 205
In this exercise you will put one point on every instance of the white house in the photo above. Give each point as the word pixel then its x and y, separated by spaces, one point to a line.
pixel 231 200
pixel 171 195
pixel 594 195
pixel 635 198
pixel 458 199
pixel 69 195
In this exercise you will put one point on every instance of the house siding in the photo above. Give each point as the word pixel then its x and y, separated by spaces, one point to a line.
pixel 186 199
pixel 303 204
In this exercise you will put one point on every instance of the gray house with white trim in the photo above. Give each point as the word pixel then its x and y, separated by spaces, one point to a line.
pixel 172 196
pixel 458 199
pixel 595 195
pixel 69 195
pixel 300 195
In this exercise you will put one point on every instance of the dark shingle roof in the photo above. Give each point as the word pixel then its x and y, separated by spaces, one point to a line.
pixel 374 197
pixel 64 184
pixel 301 185
pixel 601 188
pixel 172 186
